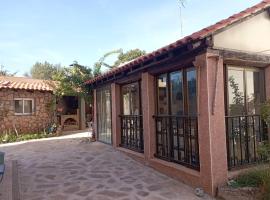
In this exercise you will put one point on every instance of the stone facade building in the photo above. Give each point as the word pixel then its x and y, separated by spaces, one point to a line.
pixel 191 109
pixel 29 106
pixel 25 104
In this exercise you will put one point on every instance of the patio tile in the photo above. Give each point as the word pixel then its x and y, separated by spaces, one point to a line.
pixel 67 168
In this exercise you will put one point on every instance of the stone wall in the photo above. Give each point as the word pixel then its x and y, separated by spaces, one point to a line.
pixel 34 123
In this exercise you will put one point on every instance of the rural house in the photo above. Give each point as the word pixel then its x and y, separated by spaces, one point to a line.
pixel 29 106
pixel 191 109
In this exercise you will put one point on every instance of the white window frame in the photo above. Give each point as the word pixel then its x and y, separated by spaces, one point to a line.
pixel 24 99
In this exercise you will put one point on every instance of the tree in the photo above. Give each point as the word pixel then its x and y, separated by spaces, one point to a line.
pixel 4 72
pixel 128 56
pixel 71 80
pixel 44 70
pixel 101 61
pixel 122 58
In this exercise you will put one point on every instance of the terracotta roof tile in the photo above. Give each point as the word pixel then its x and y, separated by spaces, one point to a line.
pixel 193 37
pixel 11 82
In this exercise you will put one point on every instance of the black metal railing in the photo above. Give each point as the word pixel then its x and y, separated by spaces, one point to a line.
pixel 244 135
pixel 177 140
pixel 132 132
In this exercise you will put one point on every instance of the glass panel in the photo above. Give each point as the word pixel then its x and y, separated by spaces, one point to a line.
pixel 131 99
pixel 254 92
pixel 236 92
pixel 192 92
pixel 162 95
pixel 18 106
pixel 126 101
pixel 28 106
pixel 176 92
pixel 104 114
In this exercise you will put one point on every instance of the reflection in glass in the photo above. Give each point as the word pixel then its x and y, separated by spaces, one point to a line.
pixel 192 92
pixel 104 115
pixel 18 106
pixel 236 92
pixel 253 92
pixel 176 91
pixel 27 106
pixel 244 124
pixel 162 95
pixel 131 99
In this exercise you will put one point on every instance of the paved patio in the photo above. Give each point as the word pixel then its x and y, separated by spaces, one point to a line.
pixel 68 168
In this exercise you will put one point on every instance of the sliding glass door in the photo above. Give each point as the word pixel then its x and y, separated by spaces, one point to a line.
pixel 104 121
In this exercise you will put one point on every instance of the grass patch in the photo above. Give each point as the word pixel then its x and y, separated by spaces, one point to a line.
pixel 256 178
pixel 9 138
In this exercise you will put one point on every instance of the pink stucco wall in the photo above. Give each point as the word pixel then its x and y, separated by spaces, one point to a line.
pixel 148 108
pixel 116 111
pixel 211 122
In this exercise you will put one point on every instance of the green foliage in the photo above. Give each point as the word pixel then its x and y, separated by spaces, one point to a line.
pixel 71 81
pixel 265 112
pixel 122 58
pixel 128 56
pixel 101 62
pixel 256 178
pixel 44 70
pixel 8 138
pixel 264 150
pixel 238 97
pixel 4 72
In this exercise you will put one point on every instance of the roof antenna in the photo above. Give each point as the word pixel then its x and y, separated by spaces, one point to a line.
pixel 182 5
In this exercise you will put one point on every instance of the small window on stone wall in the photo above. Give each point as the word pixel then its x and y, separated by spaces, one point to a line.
pixel 24 106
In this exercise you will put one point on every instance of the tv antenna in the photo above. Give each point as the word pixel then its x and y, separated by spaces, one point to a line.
pixel 181 5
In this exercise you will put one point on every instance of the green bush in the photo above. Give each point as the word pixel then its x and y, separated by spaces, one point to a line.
pixel 264 150
pixel 8 138
pixel 256 178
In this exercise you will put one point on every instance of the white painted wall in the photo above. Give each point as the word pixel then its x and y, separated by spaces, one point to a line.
pixel 252 35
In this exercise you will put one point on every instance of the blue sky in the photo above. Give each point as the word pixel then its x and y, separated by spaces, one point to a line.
pixel 61 31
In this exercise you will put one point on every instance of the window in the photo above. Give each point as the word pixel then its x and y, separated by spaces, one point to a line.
pixel 245 90
pixel 131 99
pixel 179 88
pixel 131 118
pixel 245 128
pixel 104 120
pixel 176 119
pixel 24 106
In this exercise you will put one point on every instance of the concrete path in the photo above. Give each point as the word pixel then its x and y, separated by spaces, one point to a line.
pixel 69 168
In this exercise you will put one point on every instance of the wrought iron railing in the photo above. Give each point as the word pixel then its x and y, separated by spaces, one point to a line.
pixel 132 132
pixel 244 135
pixel 177 140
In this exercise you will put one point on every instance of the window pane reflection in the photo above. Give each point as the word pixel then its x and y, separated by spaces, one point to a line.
pixel 131 99
pixel 176 90
pixel 104 114
pixel 236 91
pixel 162 95
pixel 245 91
pixel 253 92
pixel 27 106
pixel 192 92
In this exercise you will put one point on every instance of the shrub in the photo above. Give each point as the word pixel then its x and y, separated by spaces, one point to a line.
pixel 256 178
pixel 264 150
pixel 7 138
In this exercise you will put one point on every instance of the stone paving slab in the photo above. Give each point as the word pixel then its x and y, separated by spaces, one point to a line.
pixel 6 185
pixel 72 169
